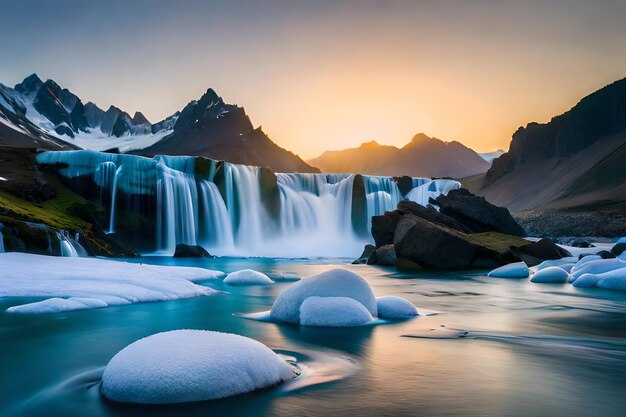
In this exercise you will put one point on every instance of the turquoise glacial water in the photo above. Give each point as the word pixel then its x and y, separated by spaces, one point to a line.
pixel 488 347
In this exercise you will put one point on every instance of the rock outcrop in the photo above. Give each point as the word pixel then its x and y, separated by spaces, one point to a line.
pixel 469 232
pixel 476 213
pixel 191 251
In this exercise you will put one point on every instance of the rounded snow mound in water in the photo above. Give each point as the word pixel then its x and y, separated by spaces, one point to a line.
pixel 597 267
pixel 557 262
pixel 393 307
pixel 584 260
pixel 551 274
pixel 191 365
pixel 333 311
pixel 514 270
pixel 333 283
pixel 611 280
pixel 247 277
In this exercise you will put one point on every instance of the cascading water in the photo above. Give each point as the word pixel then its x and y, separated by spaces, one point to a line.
pixel 217 233
pixel 382 194
pixel 240 210
pixel 69 244
pixel 1 242
pixel 427 189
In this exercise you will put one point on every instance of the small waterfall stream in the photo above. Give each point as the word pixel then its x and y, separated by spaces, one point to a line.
pixel 239 210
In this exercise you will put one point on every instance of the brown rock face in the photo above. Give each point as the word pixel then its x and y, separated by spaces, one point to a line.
pixel 476 213
pixel 434 246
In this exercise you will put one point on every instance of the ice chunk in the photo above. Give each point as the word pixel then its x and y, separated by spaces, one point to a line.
pixel 393 307
pixel 551 274
pixel 514 270
pixel 247 277
pixel 557 262
pixel 597 267
pixel 333 311
pixel 613 280
pixel 333 283
pixel 584 260
pixel 54 305
pixel 191 365
pixel 112 282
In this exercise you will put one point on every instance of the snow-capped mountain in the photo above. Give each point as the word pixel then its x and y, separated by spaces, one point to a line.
pixel 44 115
pixel 45 109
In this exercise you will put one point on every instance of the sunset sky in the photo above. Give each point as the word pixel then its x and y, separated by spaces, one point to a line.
pixel 322 75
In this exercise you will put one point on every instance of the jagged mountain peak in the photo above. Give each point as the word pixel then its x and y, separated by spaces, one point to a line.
pixel 140 119
pixel 30 85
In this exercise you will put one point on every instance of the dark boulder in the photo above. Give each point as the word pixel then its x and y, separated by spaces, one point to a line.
pixel 384 227
pixel 618 248
pixel 544 249
pixel 405 184
pixel 431 215
pixel 367 252
pixel 386 255
pixel 582 244
pixel 407 265
pixel 191 251
pixel 434 246
pixel 605 254
pixel 477 213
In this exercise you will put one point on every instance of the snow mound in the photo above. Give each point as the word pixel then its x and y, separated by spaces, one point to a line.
pixel 557 262
pixel 247 277
pixel 514 270
pixel 585 259
pixel 612 280
pixel 92 282
pixel 597 267
pixel 552 274
pixel 333 283
pixel 392 307
pixel 55 305
pixel 191 365
pixel 333 311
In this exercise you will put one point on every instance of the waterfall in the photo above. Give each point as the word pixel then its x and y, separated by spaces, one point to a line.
pixel 382 194
pixel 233 209
pixel 217 233
pixel 250 214
pixel 427 189
pixel 69 244
pixel 177 196
pixel 1 242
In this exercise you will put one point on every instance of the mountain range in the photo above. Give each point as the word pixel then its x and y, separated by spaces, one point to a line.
pixel 576 159
pixel 44 115
pixel 424 156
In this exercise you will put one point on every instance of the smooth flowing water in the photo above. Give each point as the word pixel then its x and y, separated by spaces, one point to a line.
pixel 489 347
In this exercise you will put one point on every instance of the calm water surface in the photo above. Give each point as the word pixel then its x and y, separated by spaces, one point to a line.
pixel 488 347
